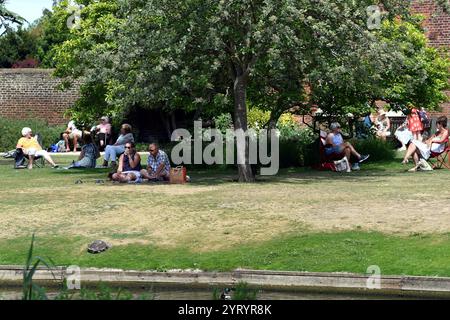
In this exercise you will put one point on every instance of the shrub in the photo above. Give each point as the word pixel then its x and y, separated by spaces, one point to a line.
pixel 223 122
pixel 10 132
pixel 257 118
pixel 379 150
pixel 287 120
pixel 294 145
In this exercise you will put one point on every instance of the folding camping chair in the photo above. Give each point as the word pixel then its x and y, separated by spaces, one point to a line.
pixel 22 160
pixel 326 161
pixel 442 159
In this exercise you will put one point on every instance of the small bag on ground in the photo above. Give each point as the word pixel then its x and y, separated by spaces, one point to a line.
pixel 178 175
pixel 424 165
pixel 342 165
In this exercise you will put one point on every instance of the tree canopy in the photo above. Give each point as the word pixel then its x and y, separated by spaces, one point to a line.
pixel 214 55
pixel 7 18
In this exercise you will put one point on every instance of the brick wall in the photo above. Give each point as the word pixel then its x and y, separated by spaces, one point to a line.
pixel 32 93
pixel 437 23
pixel 437 26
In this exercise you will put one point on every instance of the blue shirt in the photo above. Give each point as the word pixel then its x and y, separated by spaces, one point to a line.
pixel 338 139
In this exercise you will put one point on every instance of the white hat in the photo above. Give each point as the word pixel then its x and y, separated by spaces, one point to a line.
pixel 26 131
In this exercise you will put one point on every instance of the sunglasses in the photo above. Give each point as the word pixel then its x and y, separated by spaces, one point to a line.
pixel 128 147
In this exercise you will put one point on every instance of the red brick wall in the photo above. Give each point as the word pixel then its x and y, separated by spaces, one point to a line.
pixel 445 109
pixel 437 25
pixel 32 93
pixel 437 22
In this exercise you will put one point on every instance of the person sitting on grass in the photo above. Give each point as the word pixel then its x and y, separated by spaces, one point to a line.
pixel 72 133
pixel 158 165
pixel 118 148
pixel 29 145
pixel 89 153
pixel 336 147
pixel 129 169
pixel 421 151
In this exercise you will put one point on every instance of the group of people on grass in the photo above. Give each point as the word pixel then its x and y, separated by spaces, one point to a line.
pixel 421 150
pixel 102 132
pixel 128 168
pixel 409 133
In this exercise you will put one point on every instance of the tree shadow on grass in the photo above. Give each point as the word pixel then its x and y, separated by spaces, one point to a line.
pixel 215 176
pixel 90 172
pixel 371 173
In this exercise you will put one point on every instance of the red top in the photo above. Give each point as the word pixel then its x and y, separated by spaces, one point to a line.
pixel 414 123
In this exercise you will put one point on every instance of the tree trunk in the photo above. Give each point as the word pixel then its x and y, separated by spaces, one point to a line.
pixel 273 121
pixel 240 122
pixel 173 120
pixel 166 123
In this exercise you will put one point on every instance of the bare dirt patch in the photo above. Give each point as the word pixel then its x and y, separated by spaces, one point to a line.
pixel 218 216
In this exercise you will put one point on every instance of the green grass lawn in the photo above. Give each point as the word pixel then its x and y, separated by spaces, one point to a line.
pixel 300 220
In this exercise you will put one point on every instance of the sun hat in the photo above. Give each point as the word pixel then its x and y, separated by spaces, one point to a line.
pixel 26 131
pixel 105 118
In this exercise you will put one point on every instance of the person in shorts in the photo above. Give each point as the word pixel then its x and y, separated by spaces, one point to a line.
pixel 336 146
pixel 73 134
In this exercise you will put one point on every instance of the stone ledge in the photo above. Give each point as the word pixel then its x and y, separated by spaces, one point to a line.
pixel 275 280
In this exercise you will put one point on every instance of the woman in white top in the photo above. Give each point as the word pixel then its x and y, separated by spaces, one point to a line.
pixel 383 125
pixel 436 144
pixel 72 133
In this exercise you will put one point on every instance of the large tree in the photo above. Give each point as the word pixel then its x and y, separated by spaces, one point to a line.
pixel 88 55
pixel 210 54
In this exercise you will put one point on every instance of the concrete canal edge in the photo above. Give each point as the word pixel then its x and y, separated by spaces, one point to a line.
pixel 407 286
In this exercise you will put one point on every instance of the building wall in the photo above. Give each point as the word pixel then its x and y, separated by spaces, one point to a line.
pixel 437 23
pixel 32 93
pixel 437 26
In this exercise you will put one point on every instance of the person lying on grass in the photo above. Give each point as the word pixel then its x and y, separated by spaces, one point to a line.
pixel 129 165
pixel 335 145
pixel 31 147
pixel 158 165
pixel 421 151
